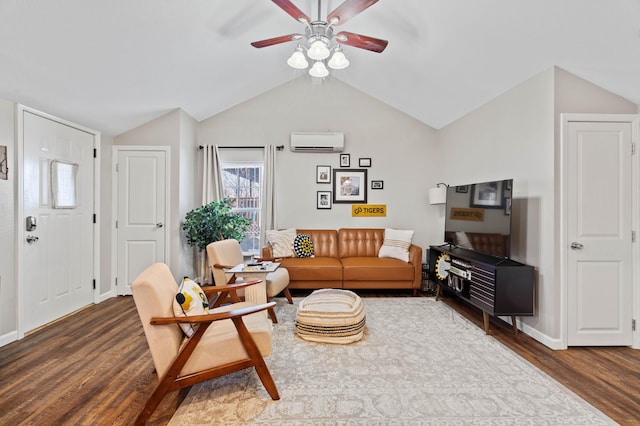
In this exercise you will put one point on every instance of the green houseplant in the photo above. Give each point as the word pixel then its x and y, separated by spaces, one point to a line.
pixel 213 222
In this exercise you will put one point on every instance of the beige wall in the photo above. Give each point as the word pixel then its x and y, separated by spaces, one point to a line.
pixel 403 152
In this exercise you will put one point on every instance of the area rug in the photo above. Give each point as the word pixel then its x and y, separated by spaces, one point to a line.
pixel 419 363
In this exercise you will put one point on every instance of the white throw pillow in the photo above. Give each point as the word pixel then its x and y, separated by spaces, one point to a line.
pixel 282 242
pixel 396 244
pixel 190 301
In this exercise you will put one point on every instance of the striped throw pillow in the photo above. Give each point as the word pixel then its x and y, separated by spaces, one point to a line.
pixel 396 244
pixel 282 242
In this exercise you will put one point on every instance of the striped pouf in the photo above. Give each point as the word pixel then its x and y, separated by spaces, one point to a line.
pixel 331 316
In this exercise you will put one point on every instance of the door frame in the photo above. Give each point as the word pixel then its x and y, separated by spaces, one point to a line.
pixel 20 231
pixel 563 241
pixel 114 202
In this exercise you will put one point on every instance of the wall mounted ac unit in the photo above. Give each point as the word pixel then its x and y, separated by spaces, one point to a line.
pixel 317 141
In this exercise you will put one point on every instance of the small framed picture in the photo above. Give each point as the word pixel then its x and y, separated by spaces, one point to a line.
pixel 345 160
pixel 364 162
pixel 323 174
pixel 323 200
pixel 377 184
pixel 462 188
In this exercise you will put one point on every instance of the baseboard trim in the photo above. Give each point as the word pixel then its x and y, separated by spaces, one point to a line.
pixel 8 338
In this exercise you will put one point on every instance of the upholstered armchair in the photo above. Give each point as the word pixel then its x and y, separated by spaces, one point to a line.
pixel 227 339
pixel 225 254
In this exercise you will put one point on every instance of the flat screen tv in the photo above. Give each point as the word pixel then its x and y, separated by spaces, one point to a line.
pixel 478 217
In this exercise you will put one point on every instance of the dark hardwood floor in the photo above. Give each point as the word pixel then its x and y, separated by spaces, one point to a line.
pixel 94 368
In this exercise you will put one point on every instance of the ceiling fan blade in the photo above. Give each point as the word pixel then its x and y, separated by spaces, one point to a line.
pixel 348 10
pixel 276 40
pixel 292 10
pixel 361 41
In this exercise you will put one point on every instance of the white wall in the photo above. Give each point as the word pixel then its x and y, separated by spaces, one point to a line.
pixel 106 220
pixel 8 290
pixel 403 154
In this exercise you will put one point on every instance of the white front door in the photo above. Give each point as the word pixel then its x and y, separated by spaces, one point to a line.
pixel 141 213
pixel 57 251
pixel 599 233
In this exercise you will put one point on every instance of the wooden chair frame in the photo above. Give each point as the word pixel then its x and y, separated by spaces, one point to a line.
pixel 171 381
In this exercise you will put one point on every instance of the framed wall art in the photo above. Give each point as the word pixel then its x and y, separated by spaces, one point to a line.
pixel 377 184
pixel 364 162
pixel 345 160
pixel 323 200
pixel 323 174
pixel 350 186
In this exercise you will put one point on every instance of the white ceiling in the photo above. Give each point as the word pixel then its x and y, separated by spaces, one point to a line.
pixel 112 65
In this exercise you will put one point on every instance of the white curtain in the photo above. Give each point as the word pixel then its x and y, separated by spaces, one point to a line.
pixel 212 190
pixel 268 212
pixel 211 175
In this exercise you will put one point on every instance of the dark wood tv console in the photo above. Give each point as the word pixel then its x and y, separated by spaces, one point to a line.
pixel 497 285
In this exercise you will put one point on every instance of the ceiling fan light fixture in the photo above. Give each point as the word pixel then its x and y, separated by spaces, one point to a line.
pixel 318 50
pixel 319 70
pixel 297 60
pixel 338 61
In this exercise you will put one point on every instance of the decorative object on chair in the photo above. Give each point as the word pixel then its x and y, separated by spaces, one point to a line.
pixel 214 222
pixel 318 41
pixel 438 195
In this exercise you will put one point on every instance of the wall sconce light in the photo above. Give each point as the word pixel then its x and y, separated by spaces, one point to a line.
pixel 438 195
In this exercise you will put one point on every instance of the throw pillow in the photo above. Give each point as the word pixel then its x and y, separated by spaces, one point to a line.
pixel 190 301
pixel 282 242
pixel 303 246
pixel 396 244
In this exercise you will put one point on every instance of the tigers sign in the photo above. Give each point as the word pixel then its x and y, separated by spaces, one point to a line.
pixel 476 215
pixel 368 210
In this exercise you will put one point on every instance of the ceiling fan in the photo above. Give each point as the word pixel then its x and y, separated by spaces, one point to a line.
pixel 321 41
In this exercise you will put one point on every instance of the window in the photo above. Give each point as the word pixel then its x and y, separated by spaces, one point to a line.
pixel 242 183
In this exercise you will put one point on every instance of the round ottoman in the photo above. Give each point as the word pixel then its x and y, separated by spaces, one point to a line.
pixel 331 316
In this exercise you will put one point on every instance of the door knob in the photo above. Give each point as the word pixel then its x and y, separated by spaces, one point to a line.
pixel 159 224
pixel 576 246
pixel 32 239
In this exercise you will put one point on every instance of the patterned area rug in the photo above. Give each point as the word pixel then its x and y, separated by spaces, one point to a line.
pixel 419 363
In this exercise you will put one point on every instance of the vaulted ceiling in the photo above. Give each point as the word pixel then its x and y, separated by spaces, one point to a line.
pixel 114 64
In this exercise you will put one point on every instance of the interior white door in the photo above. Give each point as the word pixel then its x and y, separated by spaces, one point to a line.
pixel 141 230
pixel 599 282
pixel 58 192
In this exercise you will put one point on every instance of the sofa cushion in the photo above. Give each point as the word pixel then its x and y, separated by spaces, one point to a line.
pixel 396 244
pixel 303 246
pixel 282 242
pixel 313 268
pixel 190 301
pixel 376 269
pixel 359 242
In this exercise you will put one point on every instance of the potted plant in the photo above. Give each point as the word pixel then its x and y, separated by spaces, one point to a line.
pixel 214 222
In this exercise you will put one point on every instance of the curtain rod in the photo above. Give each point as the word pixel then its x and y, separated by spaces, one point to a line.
pixel 279 147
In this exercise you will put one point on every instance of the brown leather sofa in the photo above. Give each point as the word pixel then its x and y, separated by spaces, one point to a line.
pixel 348 258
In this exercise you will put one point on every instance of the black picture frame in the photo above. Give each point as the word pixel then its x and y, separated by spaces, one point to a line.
pixel 377 184
pixel 350 186
pixel 345 160
pixel 462 189
pixel 488 195
pixel 323 200
pixel 323 174
pixel 364 162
